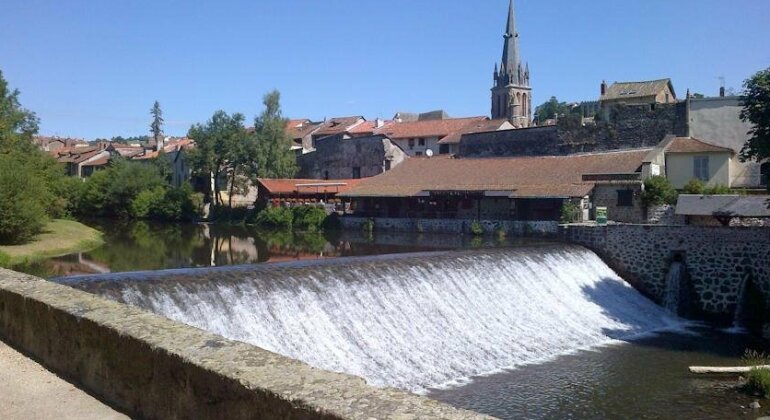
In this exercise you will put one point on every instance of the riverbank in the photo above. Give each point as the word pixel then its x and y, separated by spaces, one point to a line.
pixel 59 237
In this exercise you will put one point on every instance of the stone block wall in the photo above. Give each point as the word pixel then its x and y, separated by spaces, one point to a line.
pixel 152 367
pixel 516 228
pixel 717 260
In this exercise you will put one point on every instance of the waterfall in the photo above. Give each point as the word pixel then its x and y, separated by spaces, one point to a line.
pixel 413 322
pixel 739 308
pixel 673 287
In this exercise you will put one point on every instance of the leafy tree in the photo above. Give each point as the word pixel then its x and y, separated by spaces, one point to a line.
pixel 22 211
pixel 111 192
pixel 551 109
pixel 756 110
pixel 156 127
pixel 658 190
pixel 17 124
pixel 694 186
pixel 274 158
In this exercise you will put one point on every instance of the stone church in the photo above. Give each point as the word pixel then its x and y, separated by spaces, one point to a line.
pixel 512 94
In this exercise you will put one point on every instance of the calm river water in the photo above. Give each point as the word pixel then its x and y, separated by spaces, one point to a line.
pixel 641 378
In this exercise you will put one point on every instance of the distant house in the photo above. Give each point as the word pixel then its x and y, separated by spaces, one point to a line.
pixel 724 209
pixel 336 126
pixel 682 159
pixel 645 93
pixel 417 137
pixel 520 188
pixel 300 131
pixel 450 144
pixel 341 157
pixel 81 162
pixel 291 192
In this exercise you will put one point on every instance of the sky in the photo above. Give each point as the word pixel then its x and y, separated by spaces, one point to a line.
pixel 92 69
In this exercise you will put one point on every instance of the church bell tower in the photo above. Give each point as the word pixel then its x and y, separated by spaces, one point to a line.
pixel 511 93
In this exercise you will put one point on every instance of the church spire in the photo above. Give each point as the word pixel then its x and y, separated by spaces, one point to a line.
pixel 511 44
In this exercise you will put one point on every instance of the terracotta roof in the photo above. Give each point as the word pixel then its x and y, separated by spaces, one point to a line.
pixel 621 90
pixel 368 127
pixel 98 162
pixel 307 186
pixel 541 176
pixel 337 125
pixel 75 154
pixel 427 128
pixel 297 129
pixel 691 145
pixel 474 127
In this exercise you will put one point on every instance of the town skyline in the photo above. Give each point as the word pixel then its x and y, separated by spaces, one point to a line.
pixel 96 85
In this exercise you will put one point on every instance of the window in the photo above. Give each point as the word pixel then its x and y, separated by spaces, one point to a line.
pixel 356 172
pixel 421 142
pixel 764 173
pixel 411 143
pixel 443 149
pixel 326 174
pixel 625 198
pixel 418 153
pixel 701 168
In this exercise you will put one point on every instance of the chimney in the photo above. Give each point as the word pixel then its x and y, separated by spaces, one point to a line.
pixel 378 122
pixel 721 91
pixel 604 87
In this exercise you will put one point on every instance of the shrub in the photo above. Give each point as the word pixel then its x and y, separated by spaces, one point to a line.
pixel 275 218
pixel 694 186
pixel 332 223
pixel 758 382
pixel 476 228
pixel 23 199
pixel 570 212
pixel 658 190
pixel 308 218
pixel 717 189
pixel 172 204
pixel 368 226
pixel 146 202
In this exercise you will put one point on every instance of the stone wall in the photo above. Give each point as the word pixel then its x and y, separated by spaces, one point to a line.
pixel 717 260
pixel 516 228
pixel 629 127
pixel 606 195
pixel 152 367
pixel 335 157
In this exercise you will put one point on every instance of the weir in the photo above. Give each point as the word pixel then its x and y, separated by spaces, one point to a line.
pixel 415 321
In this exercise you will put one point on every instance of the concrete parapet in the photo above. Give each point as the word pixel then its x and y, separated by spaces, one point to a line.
pixel 153 367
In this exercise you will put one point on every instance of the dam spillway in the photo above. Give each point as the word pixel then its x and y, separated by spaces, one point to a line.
pixel 412 322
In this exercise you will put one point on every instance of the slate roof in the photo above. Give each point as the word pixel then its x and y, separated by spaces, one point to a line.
pixel 427 128
pixel 691 145
pixel 307 186
pixel 622 90
pixel 474 127
pixel 540 176
pixel 723 205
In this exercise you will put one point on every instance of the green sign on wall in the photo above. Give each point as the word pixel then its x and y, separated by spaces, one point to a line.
pixel 601 215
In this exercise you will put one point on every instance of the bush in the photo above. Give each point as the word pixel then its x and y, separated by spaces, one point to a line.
pixel 332 223
pixel 275 218
pixel 570 212
pixel 368 226
pixel 308 218
pixel 694 186
pixel 159 203
pixel 476 228
pixel 658 190
pixel 23 199
pixel 717 189
pixel 758 382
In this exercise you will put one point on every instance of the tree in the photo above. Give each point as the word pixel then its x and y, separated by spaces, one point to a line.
pixel 17 124
pixel 274 157
pixel 756 110
pixel 156 127
pixel 551 109
pixel 658 190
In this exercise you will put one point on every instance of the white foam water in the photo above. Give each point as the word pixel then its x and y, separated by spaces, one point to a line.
pixel 673 287
pixel 416 323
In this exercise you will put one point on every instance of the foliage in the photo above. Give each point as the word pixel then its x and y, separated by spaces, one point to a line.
pixel 161 203
pixel 156 127
pixel 551 109
pixel 694 186
pixel 111 191
pixel 757 380
pixel 570 212
pixel 368 226
pixel 308 218
pixel 17 124
pixel 275 218
pixel 274 158
pixel 717 189
pixel 58 237
pixel 332 222
pixel 130 139
pixel 756 110
pixel 476 228
pixel 22 205
pixel 658 190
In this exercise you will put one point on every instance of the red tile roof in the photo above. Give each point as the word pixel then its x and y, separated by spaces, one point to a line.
pixel 542 176
pixel 691 145
pixel 474 127
pixel 337 126
pixel 428 128
pixel 307 186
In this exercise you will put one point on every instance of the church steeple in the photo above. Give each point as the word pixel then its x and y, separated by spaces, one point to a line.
pixel 511 43
pixel 511 94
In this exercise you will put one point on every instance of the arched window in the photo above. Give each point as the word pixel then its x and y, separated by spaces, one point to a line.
pixel 764 173
pixel 524 107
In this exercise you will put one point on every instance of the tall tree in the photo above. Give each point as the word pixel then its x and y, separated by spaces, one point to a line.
pixel 274 157
pixel 17 124
pixel 156 127
pixel 756 110
pixel 551 109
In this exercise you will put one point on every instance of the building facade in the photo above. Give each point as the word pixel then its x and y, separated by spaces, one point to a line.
pixel 512 93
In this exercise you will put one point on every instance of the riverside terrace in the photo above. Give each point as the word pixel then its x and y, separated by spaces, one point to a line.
pixel 519 189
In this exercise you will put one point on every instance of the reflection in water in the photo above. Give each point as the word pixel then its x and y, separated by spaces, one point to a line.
pixel 143 245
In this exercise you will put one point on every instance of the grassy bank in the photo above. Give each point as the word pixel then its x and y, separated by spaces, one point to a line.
pixel 59 237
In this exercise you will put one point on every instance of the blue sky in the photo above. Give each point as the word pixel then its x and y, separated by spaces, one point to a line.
pixel 93 68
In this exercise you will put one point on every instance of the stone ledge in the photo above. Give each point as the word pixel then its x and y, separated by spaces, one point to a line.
pixel 150 366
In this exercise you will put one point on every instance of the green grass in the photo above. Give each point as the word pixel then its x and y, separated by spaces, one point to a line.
pixel 59 237
pixel 757 380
